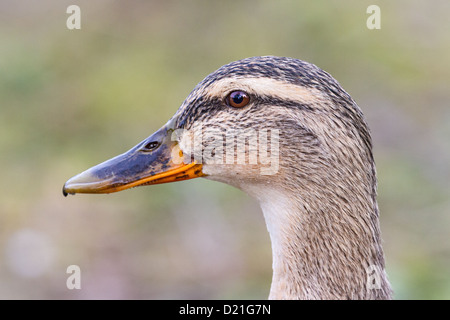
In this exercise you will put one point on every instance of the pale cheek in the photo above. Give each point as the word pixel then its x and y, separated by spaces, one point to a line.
pixel 189 147
pixel 185 144
pixel 223 174
pixel 213 170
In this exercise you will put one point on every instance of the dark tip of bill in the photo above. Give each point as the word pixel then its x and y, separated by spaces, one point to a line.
pixel 64 191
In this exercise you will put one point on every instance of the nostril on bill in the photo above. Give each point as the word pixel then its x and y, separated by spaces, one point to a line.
pixel 151 146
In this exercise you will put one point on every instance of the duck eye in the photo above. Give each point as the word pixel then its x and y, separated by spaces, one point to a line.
pixel 238 99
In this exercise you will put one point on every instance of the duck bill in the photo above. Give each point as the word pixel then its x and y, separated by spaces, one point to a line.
pixel 155 160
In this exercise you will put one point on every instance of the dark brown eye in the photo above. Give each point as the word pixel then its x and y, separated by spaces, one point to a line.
pixel 238 99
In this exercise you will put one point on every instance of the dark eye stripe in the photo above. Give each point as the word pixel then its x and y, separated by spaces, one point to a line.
pixel 205 107
pixel 275 101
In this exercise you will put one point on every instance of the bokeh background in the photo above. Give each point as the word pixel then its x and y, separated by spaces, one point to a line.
pixel 70 99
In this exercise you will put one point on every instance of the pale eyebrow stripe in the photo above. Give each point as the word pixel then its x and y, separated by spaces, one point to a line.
pixel 265 87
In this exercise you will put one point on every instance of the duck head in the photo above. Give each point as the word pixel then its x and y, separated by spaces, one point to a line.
pixel 254 122
pixel 285 132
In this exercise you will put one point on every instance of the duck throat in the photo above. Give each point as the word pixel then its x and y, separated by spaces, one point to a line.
pixel 322 251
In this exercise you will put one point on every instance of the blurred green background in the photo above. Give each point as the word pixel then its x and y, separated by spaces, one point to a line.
pixel 70 99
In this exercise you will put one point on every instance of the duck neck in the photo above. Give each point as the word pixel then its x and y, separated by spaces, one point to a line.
pixel 322 250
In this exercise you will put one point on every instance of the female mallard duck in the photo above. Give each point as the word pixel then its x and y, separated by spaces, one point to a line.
pixel 318 194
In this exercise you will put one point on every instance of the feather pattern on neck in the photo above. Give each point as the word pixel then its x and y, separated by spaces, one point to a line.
pixel 321 252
